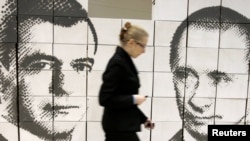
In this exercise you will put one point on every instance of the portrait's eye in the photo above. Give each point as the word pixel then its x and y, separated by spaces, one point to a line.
pixel 186 75
pixel 40 65
pixel 82 64
pixel 220 78
pixel 180 75
pixel 79 67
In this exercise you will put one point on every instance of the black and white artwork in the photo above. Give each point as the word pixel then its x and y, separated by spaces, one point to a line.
pixel 52 54
pixel 44 67
pixel 209 88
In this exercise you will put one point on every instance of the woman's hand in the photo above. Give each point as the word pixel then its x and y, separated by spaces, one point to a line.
pixel 149 124
pixel 139 99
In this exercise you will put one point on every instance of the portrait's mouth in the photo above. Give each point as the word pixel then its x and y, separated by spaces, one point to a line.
pixel 60 109
pixel 204 120
pixel 63 109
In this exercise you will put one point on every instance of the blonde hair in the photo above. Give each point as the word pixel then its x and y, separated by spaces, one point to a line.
pixel 130 31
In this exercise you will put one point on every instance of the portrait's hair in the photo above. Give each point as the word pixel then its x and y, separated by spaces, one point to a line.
pixel 13 26
pixel 130 31
pixel 209 19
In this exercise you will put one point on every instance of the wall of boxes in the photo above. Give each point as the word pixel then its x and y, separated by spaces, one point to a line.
pixel 227 103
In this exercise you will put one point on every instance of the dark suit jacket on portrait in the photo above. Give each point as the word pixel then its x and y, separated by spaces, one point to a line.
pixel 177 136
pixel 2 138
pixel 120 82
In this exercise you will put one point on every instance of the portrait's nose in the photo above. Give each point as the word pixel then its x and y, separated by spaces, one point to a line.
pixel 203 87
pixel 60 84
pixel 203 94
pixel 69 82
pixel 202 105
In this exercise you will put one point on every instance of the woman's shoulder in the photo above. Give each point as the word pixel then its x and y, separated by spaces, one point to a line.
pixel 117 60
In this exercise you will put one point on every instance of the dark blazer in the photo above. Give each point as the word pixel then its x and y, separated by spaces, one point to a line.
pixel 120 82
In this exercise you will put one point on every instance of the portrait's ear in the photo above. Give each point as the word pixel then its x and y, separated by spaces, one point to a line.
pixel 1 95
pixel 249 66
pixel 3 72
pixel 1 82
